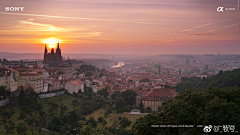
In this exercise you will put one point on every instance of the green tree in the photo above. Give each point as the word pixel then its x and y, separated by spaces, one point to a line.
pixel 21 129
pixel 125 122
pixel 100 119
pixel 4 120
pixel 115 123
pixel 91 122
pixel 145 80
pixel 117 93
pixel 119 102
pixel 104 123
pixel 113 96
pixel 129 97
pixel 101 75
pixel 88 74
pixel 22 115
pixel 148 109
pixel 141 107
pixel 10 126
pixel 159 108
pixel 72 119
pixel 105 93
pixel 3 91
pixel 130 80
pixel 219 106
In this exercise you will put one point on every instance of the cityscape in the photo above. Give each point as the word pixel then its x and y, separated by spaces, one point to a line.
pixel 125 68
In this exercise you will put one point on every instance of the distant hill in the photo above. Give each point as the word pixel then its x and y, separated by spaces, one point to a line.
pixel 221 80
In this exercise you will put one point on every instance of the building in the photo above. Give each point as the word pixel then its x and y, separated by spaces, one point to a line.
pixel 2 80
pixel 135 111
pixel 156 97
pixel 33 79
pixel 52 57
pixel 72 86
pixel 45 87
pixel 64 67
pixel 11 81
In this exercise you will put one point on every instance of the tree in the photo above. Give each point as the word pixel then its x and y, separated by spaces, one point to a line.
pixel 88 74
pixel 159 108
pixel 117 93
pixel 4 120
pixel 141 107
pixel 113 96
pixel 72 119
pixel 219 106
pixel 119 118
pixel 6 113
pixel 10 126
pixel 115 123
pixel 129 97
pixel 145 80
pixel 119 102
pixel 101 75
pixel 91 122
pixel 21 129
pixel 104 123
pixel 22 97
pixel 3 91
pixel 130 80
pixel 125 122
pixel 148 110
pixel 22 115
pixel 100 119
pixel 105 93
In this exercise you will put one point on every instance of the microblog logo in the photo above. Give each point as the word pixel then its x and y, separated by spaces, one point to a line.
pixel 220 9
pixel 207 129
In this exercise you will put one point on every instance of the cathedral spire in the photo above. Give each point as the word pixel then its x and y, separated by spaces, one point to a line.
pixel 58 44
pixel 45 48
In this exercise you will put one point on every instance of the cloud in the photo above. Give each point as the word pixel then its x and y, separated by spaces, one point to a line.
pixel 197 27
pixel 79 18
pixel 202 34
pixel 41 27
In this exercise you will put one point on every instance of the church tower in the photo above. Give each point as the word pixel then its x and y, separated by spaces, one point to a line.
pixel 58 50
pixel 52 56
pixel 45 49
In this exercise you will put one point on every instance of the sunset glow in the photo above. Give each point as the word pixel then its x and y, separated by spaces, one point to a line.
pixel 51 41
pixel 149 27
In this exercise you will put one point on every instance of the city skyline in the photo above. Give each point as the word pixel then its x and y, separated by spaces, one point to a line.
pixel 113 27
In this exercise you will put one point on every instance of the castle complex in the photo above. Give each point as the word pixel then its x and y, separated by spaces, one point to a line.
pixel 52 57
pixel 54 61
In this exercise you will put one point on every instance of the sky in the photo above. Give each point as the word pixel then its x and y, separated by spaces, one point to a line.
pixel 121 27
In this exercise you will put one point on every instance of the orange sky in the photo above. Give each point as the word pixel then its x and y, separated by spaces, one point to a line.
pixel 113 26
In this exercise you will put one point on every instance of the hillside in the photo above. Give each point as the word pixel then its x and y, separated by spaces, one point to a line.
pixel 221 80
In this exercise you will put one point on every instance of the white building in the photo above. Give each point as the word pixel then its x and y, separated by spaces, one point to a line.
pixel 72 86
pixel 45 87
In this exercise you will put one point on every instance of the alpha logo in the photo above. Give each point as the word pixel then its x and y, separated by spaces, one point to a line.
pixel 220 9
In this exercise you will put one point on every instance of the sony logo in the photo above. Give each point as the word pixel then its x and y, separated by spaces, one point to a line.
pixel 14 8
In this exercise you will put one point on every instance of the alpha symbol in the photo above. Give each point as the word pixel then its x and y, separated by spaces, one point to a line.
pixel 220 9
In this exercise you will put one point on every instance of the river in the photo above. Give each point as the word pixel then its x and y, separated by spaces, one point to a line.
pixel 119 65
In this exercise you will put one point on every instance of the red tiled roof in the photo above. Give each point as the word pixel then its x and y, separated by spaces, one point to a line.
pixel 24 87
pixel 36 67
pixel 74 83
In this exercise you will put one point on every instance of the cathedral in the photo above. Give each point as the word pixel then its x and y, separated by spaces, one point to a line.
pixel 52 57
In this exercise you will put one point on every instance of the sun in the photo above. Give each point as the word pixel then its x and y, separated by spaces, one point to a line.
pixel 51 46
pixel 51 42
